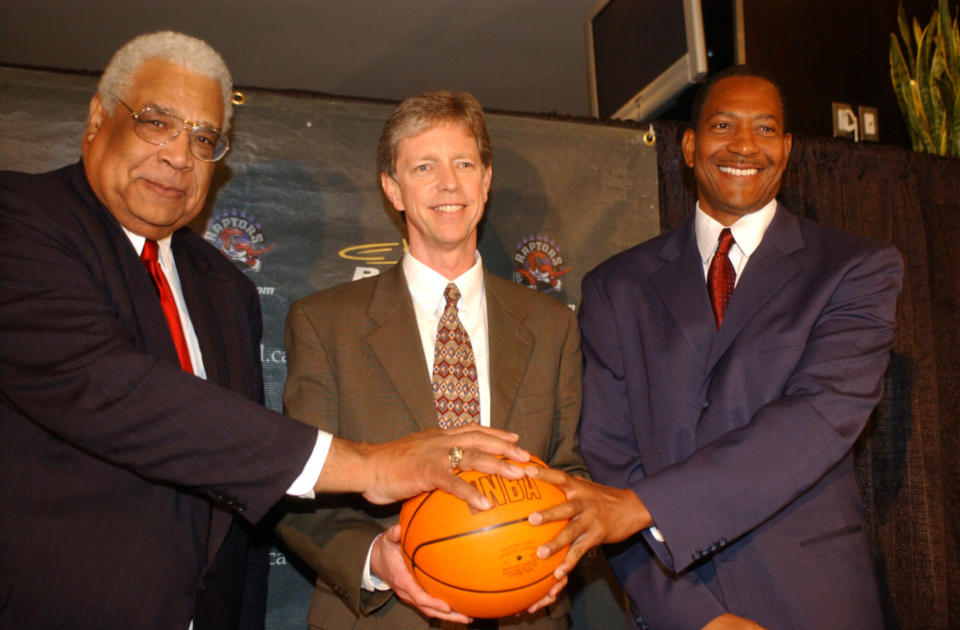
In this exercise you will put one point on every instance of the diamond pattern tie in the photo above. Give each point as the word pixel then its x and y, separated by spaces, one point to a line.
pixel 167 303
pixel 455 388
pixel 721 277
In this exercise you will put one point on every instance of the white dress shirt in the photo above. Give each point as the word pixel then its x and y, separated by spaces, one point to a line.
pixel 426 288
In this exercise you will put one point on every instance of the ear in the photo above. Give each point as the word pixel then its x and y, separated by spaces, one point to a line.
pixel 688 144
pixel 487 179
pixel 94 118
pixel 392 190
pixel 787 145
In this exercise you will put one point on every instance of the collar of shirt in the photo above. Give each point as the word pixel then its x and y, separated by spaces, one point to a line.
pixel 164 254
pixel 747 231
pixel 427 287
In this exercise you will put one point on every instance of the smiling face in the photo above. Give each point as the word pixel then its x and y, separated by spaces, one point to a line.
pixel 151 190
pixel 441 185
pixel 739 150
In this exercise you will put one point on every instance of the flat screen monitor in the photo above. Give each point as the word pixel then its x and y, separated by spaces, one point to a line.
pixel 641 54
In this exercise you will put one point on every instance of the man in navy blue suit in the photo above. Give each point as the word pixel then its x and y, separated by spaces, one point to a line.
pixel 730 365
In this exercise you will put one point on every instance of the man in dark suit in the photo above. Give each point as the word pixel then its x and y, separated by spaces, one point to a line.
pixel 363 363
pixel 131 432
pixel 730 419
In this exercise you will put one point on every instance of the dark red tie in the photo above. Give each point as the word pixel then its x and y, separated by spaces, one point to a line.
pixel 721 277
pixel 169 305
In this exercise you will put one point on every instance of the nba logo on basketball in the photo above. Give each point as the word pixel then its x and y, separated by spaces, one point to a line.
pixel 502 491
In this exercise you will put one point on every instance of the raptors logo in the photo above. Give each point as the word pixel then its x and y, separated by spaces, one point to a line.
pixel 538 264
pixel 239 237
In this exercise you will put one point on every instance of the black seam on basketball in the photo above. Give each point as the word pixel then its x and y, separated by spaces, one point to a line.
pixel 480 592
pixel 403 539
pixel 462 534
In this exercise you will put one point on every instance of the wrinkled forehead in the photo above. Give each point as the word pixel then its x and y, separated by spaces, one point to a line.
pixel 176 90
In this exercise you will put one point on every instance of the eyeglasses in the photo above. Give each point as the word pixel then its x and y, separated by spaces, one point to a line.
pixel 158 127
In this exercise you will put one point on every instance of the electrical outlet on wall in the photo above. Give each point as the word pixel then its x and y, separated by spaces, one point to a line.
pixel 869 124
pixel 845 123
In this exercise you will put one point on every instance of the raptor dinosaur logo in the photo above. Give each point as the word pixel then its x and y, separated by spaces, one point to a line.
pixel 240 237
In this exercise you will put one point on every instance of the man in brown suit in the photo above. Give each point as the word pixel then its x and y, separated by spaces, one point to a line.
pixel 360 358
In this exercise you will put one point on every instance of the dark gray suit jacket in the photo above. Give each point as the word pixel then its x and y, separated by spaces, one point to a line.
pixel 739 440
pixel 357 369
pixel 120 474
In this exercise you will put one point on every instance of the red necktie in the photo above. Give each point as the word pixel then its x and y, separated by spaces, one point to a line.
pixel 167 303
pixel 455 388
pixel 721 277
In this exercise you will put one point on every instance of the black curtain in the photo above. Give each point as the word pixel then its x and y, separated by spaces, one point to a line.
pixel 908 460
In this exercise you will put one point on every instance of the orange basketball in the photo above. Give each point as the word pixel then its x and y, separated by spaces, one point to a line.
pixel 483 564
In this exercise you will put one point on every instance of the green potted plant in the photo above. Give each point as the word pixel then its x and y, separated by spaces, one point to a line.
pixel 927 80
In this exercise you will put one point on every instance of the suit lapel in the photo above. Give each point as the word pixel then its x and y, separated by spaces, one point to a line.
pixel 511 344
pixel 769 269
pixel 201 290
pixel 683 291
pixel 396 343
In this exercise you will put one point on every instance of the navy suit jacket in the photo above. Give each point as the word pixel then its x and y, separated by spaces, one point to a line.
pixel 119 473
pixel 738 440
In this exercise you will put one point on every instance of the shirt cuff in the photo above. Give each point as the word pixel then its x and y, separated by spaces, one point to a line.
pixel 303 485
pixel 370 582
pixel 656 534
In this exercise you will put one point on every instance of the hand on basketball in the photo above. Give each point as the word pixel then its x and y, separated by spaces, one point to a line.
pixel 386 562
pixel 598 514
pixel 422 461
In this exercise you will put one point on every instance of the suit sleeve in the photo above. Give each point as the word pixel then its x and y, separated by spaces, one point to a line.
pixel 610 446
pixel 70 364
pixel 333 534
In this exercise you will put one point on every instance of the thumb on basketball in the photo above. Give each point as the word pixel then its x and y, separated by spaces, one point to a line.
pixel 386 562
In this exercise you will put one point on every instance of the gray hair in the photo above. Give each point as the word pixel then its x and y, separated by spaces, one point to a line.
pixel 418 113
pixel 189 52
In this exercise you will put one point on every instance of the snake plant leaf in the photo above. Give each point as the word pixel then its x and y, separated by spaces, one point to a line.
pixel 954 129
pixel 924 75
pixel 947 42
pixel 920 119
pixel 900 77
pixel 926 80
pixel 904 29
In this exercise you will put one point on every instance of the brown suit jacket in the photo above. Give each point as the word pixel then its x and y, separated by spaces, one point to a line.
pixel 357 369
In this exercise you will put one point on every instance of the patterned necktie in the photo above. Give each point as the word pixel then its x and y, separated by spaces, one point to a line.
pixel 721 277
pixel 455 388
pixel 167 303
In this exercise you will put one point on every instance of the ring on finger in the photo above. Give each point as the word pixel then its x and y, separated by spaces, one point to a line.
pixel 455 454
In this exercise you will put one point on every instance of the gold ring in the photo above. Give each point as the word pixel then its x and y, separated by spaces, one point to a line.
pixel 455 454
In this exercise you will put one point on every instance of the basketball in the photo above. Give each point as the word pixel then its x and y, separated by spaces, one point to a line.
pixel 483 564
